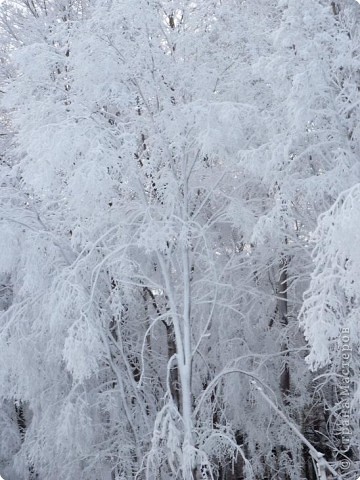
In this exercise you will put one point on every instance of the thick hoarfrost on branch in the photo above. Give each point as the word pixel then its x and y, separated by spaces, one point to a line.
pixel 164 167
pixel 332 300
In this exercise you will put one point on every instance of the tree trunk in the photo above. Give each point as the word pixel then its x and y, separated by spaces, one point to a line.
pixel 282 306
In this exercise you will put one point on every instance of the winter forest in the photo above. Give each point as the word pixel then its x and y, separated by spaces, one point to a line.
pixel 179 239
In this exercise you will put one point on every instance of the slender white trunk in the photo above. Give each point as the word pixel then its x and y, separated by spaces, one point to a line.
pixel 186 369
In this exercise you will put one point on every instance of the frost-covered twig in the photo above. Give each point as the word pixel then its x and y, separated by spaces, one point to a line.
pixel 318 456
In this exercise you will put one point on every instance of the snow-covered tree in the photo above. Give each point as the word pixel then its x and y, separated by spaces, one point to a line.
pixel 168 163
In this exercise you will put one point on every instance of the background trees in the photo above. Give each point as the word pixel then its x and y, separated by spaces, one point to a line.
pixel 166 166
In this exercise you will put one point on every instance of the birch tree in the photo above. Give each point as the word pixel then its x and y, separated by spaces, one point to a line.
pixel 169 162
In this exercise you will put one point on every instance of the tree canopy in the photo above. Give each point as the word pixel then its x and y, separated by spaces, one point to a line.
pixel 179 221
